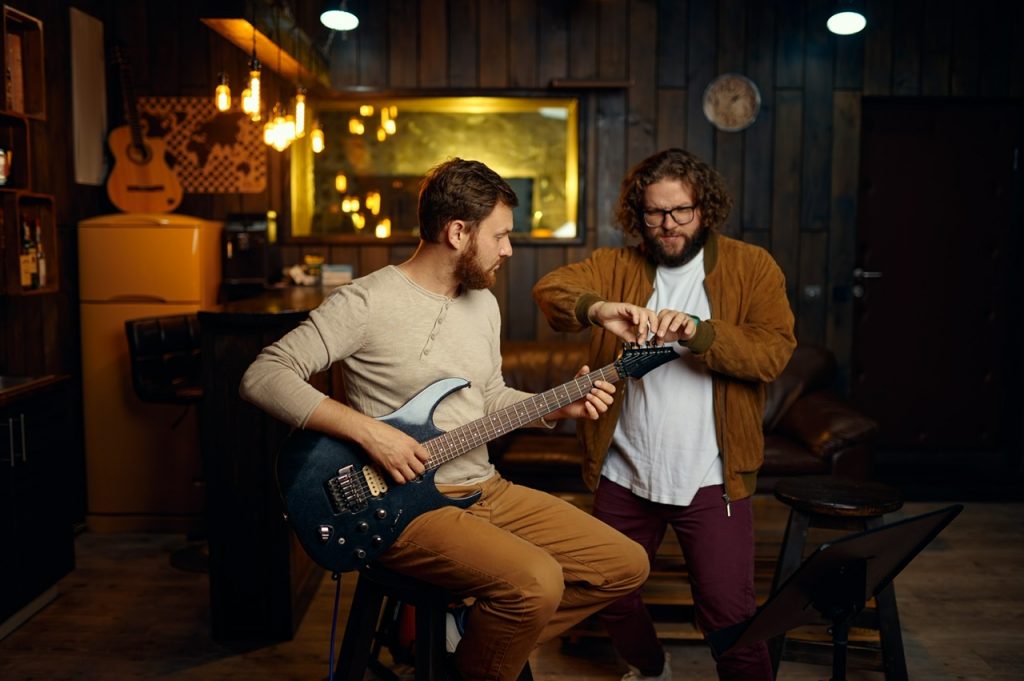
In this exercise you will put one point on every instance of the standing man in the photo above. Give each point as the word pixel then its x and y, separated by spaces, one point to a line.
pixel 682 448
pixel 536 565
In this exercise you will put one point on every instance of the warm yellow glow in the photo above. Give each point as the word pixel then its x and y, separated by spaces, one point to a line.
pixel 254 96
pixel 341 182
pixel 390 127
pixel 358 221
pixel 272 226
pixel 316 138
pixel 356 127
pixel 350 204
pixel 300 114
pixel 393 110
pixel 366 110
pixel 222 97
pixel 381 134
pixel 383 230
pixel 268 133
pixel 373 202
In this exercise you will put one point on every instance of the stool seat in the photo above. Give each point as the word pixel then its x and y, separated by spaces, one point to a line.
pixel 829 495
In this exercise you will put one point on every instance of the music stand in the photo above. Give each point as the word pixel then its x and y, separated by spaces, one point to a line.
pixel 835 582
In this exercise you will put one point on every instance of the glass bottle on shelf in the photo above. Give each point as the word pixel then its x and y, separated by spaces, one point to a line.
pixel 28 257
pixel 40 256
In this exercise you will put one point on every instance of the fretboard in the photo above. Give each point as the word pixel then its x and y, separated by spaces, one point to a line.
pixel 446 447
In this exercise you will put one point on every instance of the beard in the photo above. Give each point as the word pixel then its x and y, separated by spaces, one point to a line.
pixel 657 254
pixel 468 271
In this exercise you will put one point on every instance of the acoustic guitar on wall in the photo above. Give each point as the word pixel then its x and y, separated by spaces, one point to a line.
pixel 141 181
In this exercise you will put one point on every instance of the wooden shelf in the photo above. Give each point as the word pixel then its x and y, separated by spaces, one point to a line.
pixel 32 216
pixel 15 145
pixel 24 77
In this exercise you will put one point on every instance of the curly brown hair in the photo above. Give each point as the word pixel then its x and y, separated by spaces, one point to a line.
pixel 709 192
pixel 460 190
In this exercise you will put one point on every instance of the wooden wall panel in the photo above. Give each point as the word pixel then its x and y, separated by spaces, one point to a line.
pixel 643 21
pixel 522 43
pixel 493 67
pixel 553 41
pixel 672 30
pixel 403 43
pixel 937 38
pixel 701 68
pixel 433 61
pixel 791 173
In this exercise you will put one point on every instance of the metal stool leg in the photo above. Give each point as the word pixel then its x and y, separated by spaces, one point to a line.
pixel 789 560
pixel 889 632
pixel 354 655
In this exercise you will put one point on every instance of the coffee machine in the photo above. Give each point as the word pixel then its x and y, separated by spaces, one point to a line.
pixel 250 257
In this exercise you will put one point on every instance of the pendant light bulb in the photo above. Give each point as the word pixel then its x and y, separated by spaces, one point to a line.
pixel 316 138
pixel 222 95
pixel 300 113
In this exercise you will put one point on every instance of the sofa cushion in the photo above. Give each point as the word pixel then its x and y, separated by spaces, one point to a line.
pixel 536 367
pixel 810 368
pixel 783 456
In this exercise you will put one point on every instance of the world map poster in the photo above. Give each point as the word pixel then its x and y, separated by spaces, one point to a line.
pixel 212 152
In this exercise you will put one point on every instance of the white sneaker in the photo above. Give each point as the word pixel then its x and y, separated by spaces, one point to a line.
pixel 454 626
pixel 634 674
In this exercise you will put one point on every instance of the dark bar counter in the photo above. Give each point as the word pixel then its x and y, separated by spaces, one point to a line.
pixel 261 581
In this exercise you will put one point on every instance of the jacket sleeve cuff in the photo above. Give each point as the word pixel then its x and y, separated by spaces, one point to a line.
pixel 583 304
pixel 701 340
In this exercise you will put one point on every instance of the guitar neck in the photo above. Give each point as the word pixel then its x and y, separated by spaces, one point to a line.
pixel 458 441
pixel 131 110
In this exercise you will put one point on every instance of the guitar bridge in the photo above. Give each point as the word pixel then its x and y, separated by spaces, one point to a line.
pixel 349 491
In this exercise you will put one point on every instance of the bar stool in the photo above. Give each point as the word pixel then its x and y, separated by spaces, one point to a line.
pixel 825 501
pixel 378 588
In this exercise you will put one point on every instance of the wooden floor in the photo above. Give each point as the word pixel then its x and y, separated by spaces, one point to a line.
pixel 127 613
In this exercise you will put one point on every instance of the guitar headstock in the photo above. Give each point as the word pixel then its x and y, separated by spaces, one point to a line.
pixel 636 360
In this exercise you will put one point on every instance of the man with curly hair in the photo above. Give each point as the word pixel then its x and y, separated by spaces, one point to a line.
pixel 682 448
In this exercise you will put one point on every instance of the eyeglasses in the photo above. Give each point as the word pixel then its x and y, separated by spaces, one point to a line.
pixel 681 215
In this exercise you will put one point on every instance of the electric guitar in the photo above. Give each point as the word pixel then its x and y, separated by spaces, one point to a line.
pixel 140 181
pixel 343 510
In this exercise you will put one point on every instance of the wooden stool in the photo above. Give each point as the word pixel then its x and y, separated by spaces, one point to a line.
pixel 362 642
pixel 844 504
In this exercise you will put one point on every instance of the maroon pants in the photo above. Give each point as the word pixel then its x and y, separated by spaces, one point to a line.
pixel 719 551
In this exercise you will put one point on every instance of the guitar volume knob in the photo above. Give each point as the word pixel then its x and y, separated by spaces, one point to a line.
pixel 360 554
pixel 376 541
pixel 363 526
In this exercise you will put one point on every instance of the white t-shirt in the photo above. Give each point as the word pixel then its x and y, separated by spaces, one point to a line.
pixel 664 447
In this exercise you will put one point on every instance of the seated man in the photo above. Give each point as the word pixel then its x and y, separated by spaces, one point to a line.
pixel 534 564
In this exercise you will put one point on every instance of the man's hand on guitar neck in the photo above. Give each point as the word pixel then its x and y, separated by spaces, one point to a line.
pixel 394 452
pixel 590 406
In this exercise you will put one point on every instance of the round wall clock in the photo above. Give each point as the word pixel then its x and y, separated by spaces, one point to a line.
pixel 731 102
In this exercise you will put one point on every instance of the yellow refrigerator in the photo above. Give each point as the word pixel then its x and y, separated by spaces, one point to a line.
pixel 143 467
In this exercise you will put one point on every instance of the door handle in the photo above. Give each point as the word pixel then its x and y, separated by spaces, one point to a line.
pixel 860 274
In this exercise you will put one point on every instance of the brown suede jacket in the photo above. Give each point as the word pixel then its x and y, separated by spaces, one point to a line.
pixel 746 343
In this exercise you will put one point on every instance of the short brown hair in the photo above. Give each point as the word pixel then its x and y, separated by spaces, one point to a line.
pixel 460 190
pixel 709 192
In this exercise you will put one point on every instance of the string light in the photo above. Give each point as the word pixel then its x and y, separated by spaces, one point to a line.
pixel 316 137
pixel 222 95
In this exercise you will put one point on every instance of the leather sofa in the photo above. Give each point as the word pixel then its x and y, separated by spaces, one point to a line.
pixel 809 429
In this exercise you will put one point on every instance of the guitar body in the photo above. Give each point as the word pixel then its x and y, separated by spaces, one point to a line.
pixel 141 181
pixel 339 519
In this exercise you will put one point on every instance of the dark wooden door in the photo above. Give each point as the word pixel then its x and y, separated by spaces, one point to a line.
pixel 939 273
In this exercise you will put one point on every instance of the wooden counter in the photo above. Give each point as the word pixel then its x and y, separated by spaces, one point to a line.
pixel 261 581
